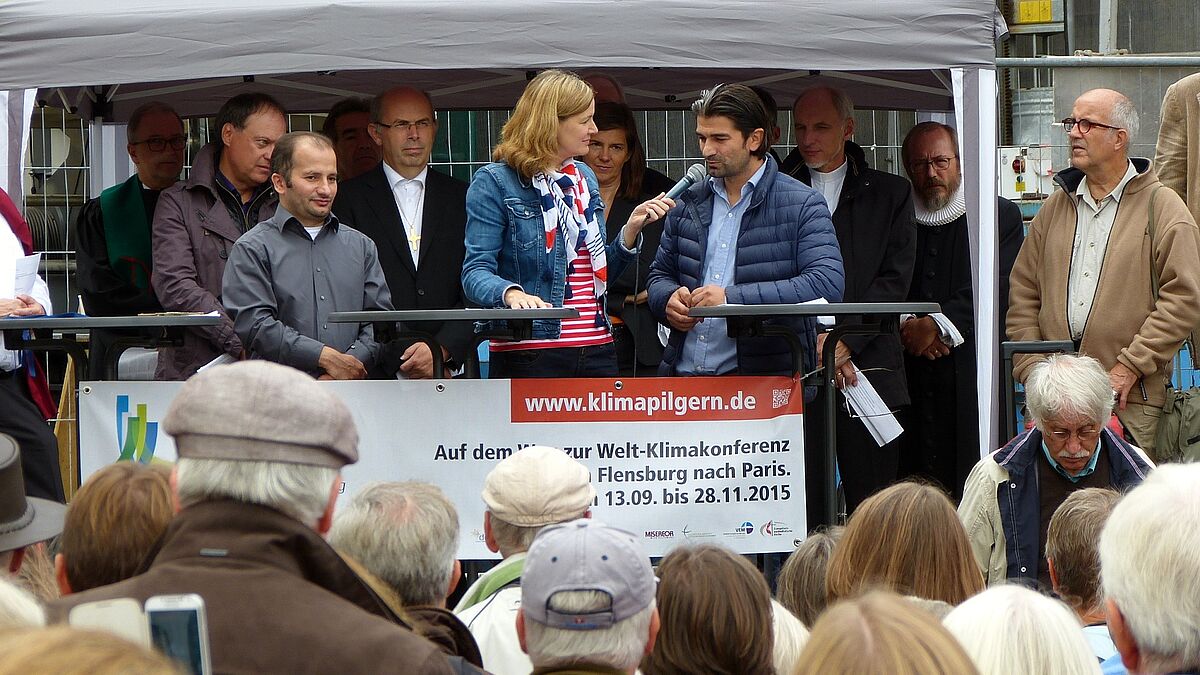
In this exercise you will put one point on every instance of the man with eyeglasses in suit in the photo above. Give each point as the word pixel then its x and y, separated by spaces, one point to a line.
pixel 1084 271
pixel 112 231
pixel 416 216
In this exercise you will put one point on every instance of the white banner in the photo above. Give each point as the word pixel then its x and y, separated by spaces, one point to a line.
pixel 673 460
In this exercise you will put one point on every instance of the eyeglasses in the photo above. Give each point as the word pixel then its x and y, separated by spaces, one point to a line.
pixel 940 163
pixel 419 125
pixel 1085 125
pixel 1085 436
pixel 158 143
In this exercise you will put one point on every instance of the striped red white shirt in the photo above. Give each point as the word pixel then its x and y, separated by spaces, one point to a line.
pixel 581 295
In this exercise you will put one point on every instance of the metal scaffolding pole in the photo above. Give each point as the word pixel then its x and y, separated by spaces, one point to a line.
pixel 1191 61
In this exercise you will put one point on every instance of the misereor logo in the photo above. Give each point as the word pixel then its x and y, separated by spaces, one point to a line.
pixel 136 434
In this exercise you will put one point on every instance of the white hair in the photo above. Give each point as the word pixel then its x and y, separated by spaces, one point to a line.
pixel 1068 385
pixel 790 638
pixel 406 534
pixel 619 646
pixel 297 490
pixel 1150 565
pixel 18 608
pixel 512 539
pixel 1011 629
pixel 841 100
pixel 1125 115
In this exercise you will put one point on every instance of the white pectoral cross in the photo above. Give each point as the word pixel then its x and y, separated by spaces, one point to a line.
pixel 414 242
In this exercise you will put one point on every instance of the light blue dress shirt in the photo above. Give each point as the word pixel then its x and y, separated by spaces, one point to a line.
pixel 708 349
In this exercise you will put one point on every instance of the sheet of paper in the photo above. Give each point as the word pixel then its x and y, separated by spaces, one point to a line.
pixel 26 273
pixel 870 409
pixel 954 336
pixel 823 320
pixel 221 360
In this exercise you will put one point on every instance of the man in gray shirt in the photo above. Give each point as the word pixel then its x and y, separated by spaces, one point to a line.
pixel 286 275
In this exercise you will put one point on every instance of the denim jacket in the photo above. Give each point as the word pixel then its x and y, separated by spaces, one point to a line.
pixel 506 243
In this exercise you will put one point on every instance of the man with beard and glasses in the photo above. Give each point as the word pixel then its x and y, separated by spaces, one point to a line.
pixel 292 270
pixel 942 425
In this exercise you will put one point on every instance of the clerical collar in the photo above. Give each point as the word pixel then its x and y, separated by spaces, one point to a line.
pixel 949 213
pixel 1087 470
pixel 828 176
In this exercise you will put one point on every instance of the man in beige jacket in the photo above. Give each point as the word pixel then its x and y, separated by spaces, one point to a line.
pixel 1176 156
pixel 1083 273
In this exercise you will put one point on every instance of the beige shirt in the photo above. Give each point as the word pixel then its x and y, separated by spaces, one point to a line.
pixel 1093 223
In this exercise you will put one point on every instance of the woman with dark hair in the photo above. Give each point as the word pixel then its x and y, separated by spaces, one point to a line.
pixel 906 538
pixel 715 615
pixel 617 157
pixel 535 234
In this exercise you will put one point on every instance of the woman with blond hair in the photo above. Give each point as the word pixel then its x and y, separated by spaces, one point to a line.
pixel 535 234
pixel 881 633
pixel 908 539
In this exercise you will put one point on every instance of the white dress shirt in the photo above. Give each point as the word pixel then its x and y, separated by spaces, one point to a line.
pixel 10 252
pixel 830 184
pixel 410 200
pixel 1093 223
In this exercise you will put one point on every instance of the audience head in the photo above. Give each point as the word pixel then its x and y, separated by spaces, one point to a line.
pixel 304 173
pixel 551 123
pixel 407 535
pixel 790 637
pixel 906 538
pixel 261 433
pixel 1151 571
pixel 881 633
pixel 1103 148
pixel 18 608
pixel 70 651
pixel 774 132
pixel 534 487
pixel 823 119
pixel 1072 548
pixel 616 153
pixel 113 522
pixel 404 127
pixel 346 125
pixel 1011 629
pixel 715 609
pixel 23 520
pixel 156 142
pixel 733 110
pixel 587 598
pixel 606 87
pixel 249 125
pixel 801 582
pixel 1070 399
pixel 927 147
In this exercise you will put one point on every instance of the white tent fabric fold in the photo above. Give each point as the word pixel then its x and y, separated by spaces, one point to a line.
pixel 105 58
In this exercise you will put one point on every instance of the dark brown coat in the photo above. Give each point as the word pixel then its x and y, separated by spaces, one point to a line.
pixel 278 598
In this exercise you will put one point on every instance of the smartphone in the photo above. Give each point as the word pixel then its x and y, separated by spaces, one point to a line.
pixel 179 629
pixel 122 616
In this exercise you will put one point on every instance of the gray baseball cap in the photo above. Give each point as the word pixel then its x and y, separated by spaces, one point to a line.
pixel 261 411
pixel 586 555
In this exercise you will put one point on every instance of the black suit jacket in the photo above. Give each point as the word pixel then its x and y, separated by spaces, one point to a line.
pixel 877 233
pixel 366 204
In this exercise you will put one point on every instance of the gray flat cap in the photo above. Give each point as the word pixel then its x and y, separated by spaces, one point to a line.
pixel 261 411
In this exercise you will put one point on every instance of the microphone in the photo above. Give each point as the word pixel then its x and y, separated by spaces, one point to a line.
pixel 695 173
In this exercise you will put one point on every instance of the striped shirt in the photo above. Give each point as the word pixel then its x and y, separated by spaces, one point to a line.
pixel 589 329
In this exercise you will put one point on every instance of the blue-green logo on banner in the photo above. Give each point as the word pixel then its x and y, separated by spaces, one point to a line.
pixel 136 435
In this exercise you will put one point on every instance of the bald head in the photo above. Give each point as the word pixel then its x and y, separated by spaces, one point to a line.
pixel 1103 149
pixel 404 126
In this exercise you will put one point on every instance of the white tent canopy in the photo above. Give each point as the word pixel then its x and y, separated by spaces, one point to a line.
pixel 476 54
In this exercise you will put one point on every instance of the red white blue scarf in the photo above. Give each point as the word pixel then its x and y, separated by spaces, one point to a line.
pixel 567 211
